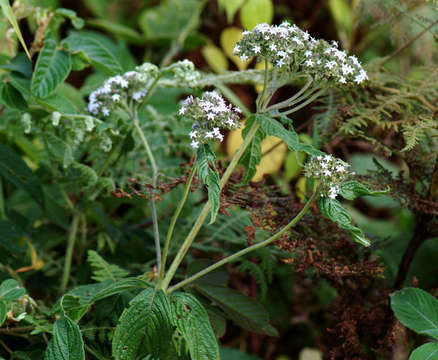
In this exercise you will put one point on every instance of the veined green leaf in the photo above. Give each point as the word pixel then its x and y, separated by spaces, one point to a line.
pixel 192 322
pixel 243 310
pixel 427 351
pixel 59 149
pixel 253 153
pixel 9 14
pixel 51 69
pixel 3 312
pixel 96 54
pixel 417 310
pixel 333 209
pixel 206 169
pixel 11 290
pixel 103 270
pixel 11 97
pixel 73 308
pixel 353 189
pixel 273 127
pixel 145 328
pixel 66 342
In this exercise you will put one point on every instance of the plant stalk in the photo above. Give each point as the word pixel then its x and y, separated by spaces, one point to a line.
pixel 247 250
pixel 300 106
pixel 69 253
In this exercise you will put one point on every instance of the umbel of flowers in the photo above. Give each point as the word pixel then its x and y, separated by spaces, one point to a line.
pixel 330 173
pixel 289 48
pixel 210 113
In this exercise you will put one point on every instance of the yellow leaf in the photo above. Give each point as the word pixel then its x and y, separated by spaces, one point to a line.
pixel 301 188
pixel 215 58
pixel 310 354
pixel 294 161
pixel 256 12
pixel 260 66
pixel 228 39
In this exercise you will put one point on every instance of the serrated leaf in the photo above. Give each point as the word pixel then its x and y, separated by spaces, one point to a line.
pixel 231 7
pixel 15 170
pixel 215 58
pixel 145 328
pixel 73 308
pixel 273 127
pixel 333 209
pixel 256 12
pixel 206 169
pixel 192 322
pixel 66 342
pixel 83 174
pixel 417 310
pixel 9 14
pixel 10 290
pixel 228 40
pixel 353 189
pixel 120 286
pixel 11 97
pixel 59 149
pixel 427 351
pixel 51 69
pixel 103 270
pixel 3 312
pixel 244 311
pixel 92 50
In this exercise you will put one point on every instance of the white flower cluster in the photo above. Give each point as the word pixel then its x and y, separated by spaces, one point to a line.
pixel 330 172
pixel 287 47
pixel 122 89
pixel 210 113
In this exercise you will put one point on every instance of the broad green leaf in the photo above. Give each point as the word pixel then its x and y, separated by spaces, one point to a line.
pixel 15 170
pixel 427 351
pixel 353 189
pixel 333 209
pixel 231 7
pixel 243 310
pixel 206 169
pixel 253 153
pixel 192 322
pixel 119 287
pixel 145 328
pixel 11 97
pixel 11 290
pixel 3 312
pixel 417 310
pixel 229 38
pixel 342 14
pixel 51 69
pixel 59 149
pixel 103 270
pixel 125 32
pixel 66 342
pixel 170 18
pixel 295 160
pixel 76 21
pixel 256 12
pixel 73 308
pixel 9 14
pixel 273 127
pixel 215 58
pixel 95 53
pixel 19 64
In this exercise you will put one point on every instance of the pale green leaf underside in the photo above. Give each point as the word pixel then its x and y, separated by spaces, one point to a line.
pixel 427 351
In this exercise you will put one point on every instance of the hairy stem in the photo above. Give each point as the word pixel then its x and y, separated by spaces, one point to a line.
pixel 249 249
pixel 300 106
pixel 201 217
pixel 299 96
pixel 69 252
pixel 154 183
pixel 173 222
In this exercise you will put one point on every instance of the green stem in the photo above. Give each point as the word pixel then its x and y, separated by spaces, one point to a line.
pixel 154 183
pixel 296 108
pixel 225 90
pixel 173 222
pixel 295 98
pixel 247 250
pixel 201 217
pixel 69 253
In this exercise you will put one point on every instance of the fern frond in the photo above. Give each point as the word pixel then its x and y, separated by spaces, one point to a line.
pixel 103 270
pixel 256 271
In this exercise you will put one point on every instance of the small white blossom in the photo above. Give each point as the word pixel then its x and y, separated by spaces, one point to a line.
pixel 194 144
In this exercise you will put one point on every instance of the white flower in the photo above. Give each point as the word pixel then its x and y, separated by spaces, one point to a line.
pixel 182 110
pixel 256 49
pixel 105 111
pixel 297 41
pixel 138 95
pixel 273 47
pixel 342 80
pixel 309 62
pixel 340 168
pixel 244 57
pixel 193 134
pixel 236 49
pixel 347 69
pixel 308 53
pixel 280 62
pixel 194 144
pixel 327 172
pixel 330 64
pixel 209 135
pixel 116 97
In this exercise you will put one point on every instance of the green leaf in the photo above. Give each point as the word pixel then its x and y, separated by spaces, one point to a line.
pixel 256 12
pixel 3 312
pixel 125 32
pixel 51 69
pixel 243 310
pixel 119 287
pixel 14 169
pixel 333 209
pixel 102 270
pixel 215 58
pixel 11 290
pixel 273 127
pixel 231 7
pixel 66 342
pixel 353 189
pixel 11 97
pixel 59 149
pixel 427 351
pixel 9 231
pixel 73 308
pixel 206 169
pixel 145 328
pixel 235 354
pixel 167 20
pixel 82 174
pixel 94 52
pixel 192 322
pixel 19 64
pixel 76 21
pixel 253 153
pixel 9 14
pixel 417 310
